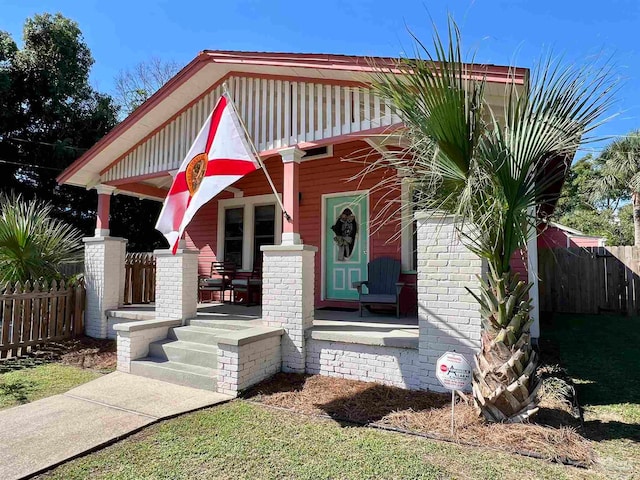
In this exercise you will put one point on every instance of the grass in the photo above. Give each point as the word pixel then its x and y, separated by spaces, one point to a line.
pixel 248 440
pixel 29 384
pixel 243 440
pixel 600 353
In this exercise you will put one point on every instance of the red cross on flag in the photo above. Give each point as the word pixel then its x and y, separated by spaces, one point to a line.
pixel 219 156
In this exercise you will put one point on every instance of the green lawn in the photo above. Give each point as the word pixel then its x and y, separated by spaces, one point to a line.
pixel 602 355
pixel 29 384
pixel 244 440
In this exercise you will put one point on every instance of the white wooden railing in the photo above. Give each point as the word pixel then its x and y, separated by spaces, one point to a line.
pixel 277 113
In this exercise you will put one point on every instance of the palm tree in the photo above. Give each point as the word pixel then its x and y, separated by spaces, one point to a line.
pixel 491 171
pixel 33 244
pixel 621 172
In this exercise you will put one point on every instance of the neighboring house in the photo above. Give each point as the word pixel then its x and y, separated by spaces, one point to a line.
pixel 561 236
pixel 307 114
pixel 554 235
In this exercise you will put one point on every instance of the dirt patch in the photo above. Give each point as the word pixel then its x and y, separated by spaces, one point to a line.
pixel 83 352
pixel 425 413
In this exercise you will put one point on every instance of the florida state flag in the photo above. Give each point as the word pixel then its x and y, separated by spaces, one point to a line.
pixel 219 156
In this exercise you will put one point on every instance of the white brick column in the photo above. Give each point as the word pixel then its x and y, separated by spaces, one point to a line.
pixel 448 315
pixel 287 298
pixel 104 278
pixel 176 284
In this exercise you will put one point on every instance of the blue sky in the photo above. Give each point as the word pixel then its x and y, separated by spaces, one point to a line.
pixel 121 33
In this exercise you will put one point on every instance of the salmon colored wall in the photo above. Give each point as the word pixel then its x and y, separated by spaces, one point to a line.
pixel 317 177
pixel 202 231
pixel 552 237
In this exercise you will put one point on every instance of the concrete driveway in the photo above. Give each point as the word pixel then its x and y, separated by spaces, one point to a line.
pixel 39 435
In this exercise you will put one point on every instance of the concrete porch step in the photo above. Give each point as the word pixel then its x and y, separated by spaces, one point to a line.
pixel 203 335
pixel 198 354
pixel 176 372
pixel 221 324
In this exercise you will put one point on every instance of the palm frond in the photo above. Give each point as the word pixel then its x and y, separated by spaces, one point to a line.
pixel 489 167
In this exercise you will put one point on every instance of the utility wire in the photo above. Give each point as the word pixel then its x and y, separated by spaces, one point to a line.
pixel 9 162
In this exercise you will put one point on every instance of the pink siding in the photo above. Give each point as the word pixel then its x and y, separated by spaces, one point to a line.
pixel 317 177
pixel 554 237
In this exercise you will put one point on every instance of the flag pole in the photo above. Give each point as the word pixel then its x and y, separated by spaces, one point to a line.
pixel 255 152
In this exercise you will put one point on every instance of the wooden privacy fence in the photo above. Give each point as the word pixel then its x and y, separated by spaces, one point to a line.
pixel 590 280
pixel 39 313
pixel 140 278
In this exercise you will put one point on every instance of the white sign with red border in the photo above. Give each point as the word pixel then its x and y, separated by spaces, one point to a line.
pixel 453 371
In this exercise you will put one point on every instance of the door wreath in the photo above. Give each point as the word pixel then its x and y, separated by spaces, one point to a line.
pixel 345 229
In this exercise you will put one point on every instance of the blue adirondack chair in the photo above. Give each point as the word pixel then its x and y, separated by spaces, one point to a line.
pixel 383 284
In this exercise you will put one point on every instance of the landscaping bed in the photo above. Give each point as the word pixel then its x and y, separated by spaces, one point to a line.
pixel 83 352
pixel 426 413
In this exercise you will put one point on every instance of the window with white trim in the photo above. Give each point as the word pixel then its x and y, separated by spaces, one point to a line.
pixel 233 234
pixel 244 225
pixel 409 234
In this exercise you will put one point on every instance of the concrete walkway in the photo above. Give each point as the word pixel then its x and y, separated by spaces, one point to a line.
pixel 42 434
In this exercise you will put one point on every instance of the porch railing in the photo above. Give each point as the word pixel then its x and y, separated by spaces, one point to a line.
pixel 33 314
pixel 140 278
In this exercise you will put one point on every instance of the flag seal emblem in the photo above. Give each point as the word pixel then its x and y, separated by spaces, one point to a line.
pixel 195 172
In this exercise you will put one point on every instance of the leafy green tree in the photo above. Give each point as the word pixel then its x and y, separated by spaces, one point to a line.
pixel 621 171
pixel 588 204
pixel 49 116
pixel 33 244
pixel 489 175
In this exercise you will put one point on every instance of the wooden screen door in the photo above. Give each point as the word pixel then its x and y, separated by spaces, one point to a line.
pixel 346 231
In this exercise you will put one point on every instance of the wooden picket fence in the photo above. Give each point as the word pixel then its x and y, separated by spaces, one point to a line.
pixel 140 278
pixel 34 314
pixel 590 280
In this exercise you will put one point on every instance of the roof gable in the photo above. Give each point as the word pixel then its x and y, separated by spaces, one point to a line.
pixel 284 99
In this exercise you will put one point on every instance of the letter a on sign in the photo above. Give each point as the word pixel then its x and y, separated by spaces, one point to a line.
pixel 453 371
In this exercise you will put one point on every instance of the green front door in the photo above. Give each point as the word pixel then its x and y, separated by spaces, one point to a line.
pixel 346 226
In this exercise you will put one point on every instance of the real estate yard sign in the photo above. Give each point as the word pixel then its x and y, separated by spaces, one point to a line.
pixel 454 373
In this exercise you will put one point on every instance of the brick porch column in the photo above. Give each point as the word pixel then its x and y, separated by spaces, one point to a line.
pixel 176 283
pixel 287 298
pixel 103 269
pixel 291 194
pixel 448 315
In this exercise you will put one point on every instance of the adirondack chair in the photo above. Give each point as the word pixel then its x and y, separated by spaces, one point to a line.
pixel 251 285
pixel 219 279
pixel 383 284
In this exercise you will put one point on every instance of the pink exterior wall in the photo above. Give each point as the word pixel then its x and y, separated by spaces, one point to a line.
pixel 317 177
pixel 552 237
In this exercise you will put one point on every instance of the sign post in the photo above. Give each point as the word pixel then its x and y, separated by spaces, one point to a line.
pixel 454 373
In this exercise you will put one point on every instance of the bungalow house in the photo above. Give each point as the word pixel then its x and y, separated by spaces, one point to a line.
pixel 311 118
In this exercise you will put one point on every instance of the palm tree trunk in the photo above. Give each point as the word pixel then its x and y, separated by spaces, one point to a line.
pixel 504 381
pixel 635 197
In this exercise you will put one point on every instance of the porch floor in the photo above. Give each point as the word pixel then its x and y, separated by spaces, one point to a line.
pixel 329 325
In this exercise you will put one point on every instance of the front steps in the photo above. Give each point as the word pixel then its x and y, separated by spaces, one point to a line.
pixel 187 357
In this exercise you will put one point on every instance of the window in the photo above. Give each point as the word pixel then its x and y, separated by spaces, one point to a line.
pixel 244 225
pixel 233 234
pixel 264 228
pixel 409 229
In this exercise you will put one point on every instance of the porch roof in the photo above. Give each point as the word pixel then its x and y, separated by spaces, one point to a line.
pixel 137 155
